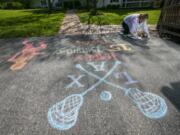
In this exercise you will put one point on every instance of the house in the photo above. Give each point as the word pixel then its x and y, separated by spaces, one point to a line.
pixel 100 4
pixel 58 3
pixel 129 3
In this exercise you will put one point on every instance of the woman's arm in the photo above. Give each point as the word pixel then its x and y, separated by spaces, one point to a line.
pixel 145 29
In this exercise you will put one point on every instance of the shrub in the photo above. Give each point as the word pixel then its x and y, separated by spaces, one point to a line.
pixel 112 6
pixel 1 5
pixel 94 12
pixel 12 5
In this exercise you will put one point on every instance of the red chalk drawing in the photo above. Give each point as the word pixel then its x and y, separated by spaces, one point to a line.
pixel 21 58
pixel 95 57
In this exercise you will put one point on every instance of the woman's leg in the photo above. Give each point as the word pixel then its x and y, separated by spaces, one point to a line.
pixel 126 28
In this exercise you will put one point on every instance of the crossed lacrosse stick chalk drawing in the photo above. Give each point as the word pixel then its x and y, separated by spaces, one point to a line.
pixel 63 115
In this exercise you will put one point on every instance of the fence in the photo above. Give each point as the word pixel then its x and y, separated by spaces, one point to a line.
pixel 169 23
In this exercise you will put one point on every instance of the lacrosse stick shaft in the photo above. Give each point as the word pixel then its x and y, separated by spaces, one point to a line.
pixel 100 79
pixel 103 79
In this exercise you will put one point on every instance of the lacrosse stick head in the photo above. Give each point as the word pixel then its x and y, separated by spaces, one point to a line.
pixel 63 115
pixel 151 105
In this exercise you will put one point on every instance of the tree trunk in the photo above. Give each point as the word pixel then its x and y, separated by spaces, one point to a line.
pixel 94 6
pixel 94 3
pixel 103 3
pixel 62 4
pixel 88 6
pixel 49 5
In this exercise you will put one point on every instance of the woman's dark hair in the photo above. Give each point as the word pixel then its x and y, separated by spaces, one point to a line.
pixel 143 16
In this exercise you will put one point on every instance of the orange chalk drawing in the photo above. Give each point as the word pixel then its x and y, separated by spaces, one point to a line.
pixel 28 52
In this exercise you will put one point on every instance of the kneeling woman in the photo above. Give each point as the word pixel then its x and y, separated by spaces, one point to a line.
pixel 136 24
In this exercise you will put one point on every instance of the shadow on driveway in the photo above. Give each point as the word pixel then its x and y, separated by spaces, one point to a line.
pixel 139 43
pixel 173 94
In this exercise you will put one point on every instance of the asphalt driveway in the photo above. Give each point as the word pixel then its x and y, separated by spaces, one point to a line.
pixel 80 85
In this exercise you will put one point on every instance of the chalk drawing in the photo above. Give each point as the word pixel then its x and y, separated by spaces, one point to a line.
pixel 63 115
pixel 75 81
pixel 151 105
pixel 119 47
pixel 98 67
pixel 126 76
pixel 105 96
pixel 21 58
pixel 96 57
pixel 78 50
pixel 92 42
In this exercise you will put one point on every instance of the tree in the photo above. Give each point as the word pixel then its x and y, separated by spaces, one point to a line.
pixel 95 4
pixel 94 10
pixel 103 3
pixel 49 5
pixel 88 4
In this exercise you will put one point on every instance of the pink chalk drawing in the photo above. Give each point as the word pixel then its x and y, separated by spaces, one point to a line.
pixel 95 57
pixel 28 52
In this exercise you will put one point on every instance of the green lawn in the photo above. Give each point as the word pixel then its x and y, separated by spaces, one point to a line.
pixel 32 22
pixel 116 16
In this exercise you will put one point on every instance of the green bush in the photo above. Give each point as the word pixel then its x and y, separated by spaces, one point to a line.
pixel 112 6
pixel 94 12
pixel 11 5
pixel 1 5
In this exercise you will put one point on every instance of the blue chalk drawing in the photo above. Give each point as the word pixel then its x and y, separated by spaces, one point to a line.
pixel 157 107
pixel 63 115
pixel 105 96
pixel 151 105
pixel 126 76
pixel 97 67
pixel 75 81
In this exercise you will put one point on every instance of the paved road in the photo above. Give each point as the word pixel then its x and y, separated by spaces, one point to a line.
pixel 33 81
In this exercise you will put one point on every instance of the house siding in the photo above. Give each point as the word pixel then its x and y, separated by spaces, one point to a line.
pixel 108 2
pixel 130 3
pixel 37 3
pixel 105 3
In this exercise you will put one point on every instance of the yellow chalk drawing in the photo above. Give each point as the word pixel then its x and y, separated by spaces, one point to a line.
pixel 119 47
